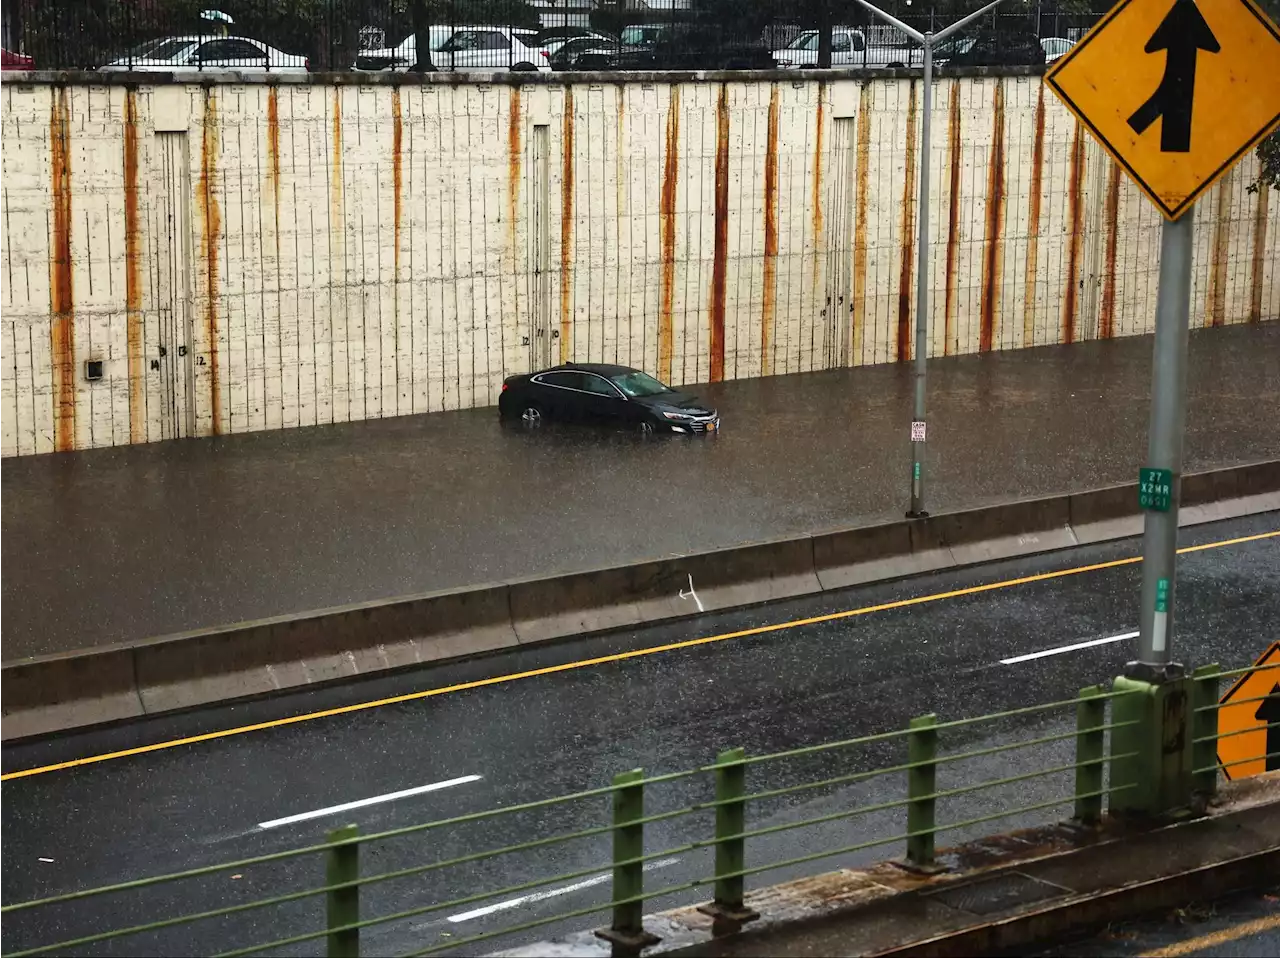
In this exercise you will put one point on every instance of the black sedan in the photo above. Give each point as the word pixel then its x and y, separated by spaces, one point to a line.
pixel 589 392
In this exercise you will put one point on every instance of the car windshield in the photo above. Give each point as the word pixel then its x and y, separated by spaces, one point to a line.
pixel 806 41
pixel 637 384
pixel 160 49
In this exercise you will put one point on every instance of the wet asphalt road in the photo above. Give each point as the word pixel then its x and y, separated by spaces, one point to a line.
pixel 123 544
pixel 1243 926
pixel 538 736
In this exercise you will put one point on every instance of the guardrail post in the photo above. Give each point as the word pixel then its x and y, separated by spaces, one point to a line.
pixel 922 777
pixel 1204 732
pixel 1091 715
pixel 728 912
pixel 1156 731
pixel 626 933
pixel 342 865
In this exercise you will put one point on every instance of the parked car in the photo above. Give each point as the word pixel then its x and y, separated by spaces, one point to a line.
pixel 848 49
pixel 555 38
pixel 588 53
pixel 687 46
pixel 402 57
pixel 186 54
pixel 491 49
pixel 15 61
pixel 618 395
pixel 999 49
pixel 1055 47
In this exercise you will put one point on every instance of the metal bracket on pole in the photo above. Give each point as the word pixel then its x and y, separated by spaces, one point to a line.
pixel 919 421
pixel 1154 661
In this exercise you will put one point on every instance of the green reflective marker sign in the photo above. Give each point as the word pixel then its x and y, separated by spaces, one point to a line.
pixel 1155 489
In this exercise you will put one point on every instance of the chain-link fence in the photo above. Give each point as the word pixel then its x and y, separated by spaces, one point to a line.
pixel 530 35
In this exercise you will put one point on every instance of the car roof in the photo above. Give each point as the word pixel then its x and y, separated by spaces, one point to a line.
pixel 603 369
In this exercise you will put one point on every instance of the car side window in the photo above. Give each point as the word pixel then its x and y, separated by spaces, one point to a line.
pixel 563 380
pixel 492 40
pixel 599 386
pixel 840 43
pixel 233 50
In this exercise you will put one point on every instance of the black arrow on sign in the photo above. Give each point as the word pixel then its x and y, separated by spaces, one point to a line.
pixel 1269 712
pixel 1182 33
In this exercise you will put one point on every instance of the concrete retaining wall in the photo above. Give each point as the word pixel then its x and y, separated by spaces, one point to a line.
pixel 173 672
pixel 241 255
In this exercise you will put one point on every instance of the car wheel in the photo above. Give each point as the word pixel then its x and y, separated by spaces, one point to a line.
pixel 646 428
pixel 531 416
pixel 897 65
pixel 524 67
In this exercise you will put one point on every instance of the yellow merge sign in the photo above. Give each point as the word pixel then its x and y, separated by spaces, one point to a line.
pixel 1250 718
pixel 1175 90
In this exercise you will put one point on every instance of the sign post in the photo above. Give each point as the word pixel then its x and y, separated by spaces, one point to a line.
pixel 1176 96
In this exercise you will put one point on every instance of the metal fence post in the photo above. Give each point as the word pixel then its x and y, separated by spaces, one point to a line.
pixel 1091 715
pixel 1204 731
pixel 922 777
pixel 342 865
pixel 626 933
pixel 728 912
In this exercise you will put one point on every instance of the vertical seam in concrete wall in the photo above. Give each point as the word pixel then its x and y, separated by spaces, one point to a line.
pixel 1031 273
pixel 950 341
pixel 566 229
pixel 134 332
pixel 908 232
pixel 769 293
pixel 667 213
pixel 62 331
pixel 720 253
pixel 338 230
pixel 863 158
pixel 1075 235
pixel 1216 301
pixel 397 213
pixel 1107 315
pixel 212 225
pixel 1260 212
pixel 993 253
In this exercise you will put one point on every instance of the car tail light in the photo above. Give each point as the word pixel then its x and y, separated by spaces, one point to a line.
pixel 505 387
pixel 306 64
pixel 546 54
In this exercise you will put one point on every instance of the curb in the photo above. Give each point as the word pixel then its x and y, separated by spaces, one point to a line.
pixel 129 680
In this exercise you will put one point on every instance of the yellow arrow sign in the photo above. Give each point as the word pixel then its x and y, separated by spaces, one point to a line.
pixel 1175 90
pixel 1249 720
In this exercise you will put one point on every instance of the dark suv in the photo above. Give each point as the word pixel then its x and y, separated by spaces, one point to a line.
pixel 689 46
pixel 1000 49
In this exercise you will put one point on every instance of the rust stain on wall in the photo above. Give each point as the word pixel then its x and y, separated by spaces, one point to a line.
pixel 62 331
pixel 859 278
pixel 211 219
pixel 133 274
pixel 769 293
pixel 720 255
pixel 566 230
pixel 1259 254
pixel 273 151
pixel 514 157
pixel 993 250
pixel 1111 212
pixel 1216 305
pixel 908 233
pixel 953 219
pixel 1075 236
pixel 667 211
pixel 1030 275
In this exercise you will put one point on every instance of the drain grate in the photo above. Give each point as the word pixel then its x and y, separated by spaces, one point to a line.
pixel 1000 892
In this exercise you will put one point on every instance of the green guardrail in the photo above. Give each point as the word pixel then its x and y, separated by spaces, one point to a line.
pixel 1105 779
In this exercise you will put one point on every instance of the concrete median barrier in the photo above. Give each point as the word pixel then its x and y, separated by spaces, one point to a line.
pixel 56 693
pixel 255 658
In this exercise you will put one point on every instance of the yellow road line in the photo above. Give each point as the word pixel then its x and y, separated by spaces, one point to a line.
pixel 616 657
pixel 1193 945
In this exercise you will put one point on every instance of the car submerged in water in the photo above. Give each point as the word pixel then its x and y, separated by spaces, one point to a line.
pixel 599 393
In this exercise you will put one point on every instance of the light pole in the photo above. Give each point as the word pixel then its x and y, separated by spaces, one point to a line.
pixel 918 422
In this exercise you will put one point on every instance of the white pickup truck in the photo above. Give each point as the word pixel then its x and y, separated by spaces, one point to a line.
pixel 849 48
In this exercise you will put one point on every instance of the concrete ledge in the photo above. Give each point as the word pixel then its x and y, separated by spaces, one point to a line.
pixel 107 684
pixel 1004 893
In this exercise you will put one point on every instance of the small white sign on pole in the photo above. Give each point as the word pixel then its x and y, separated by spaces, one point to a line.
pixel 917 431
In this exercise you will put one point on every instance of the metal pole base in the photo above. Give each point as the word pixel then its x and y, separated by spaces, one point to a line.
pixel 627 944
pixel 727 921
pixel 1155 674
pixel 921 514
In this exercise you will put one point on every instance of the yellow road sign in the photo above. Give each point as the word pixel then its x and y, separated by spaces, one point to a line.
pixel 1250 718
pixel 1176 91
